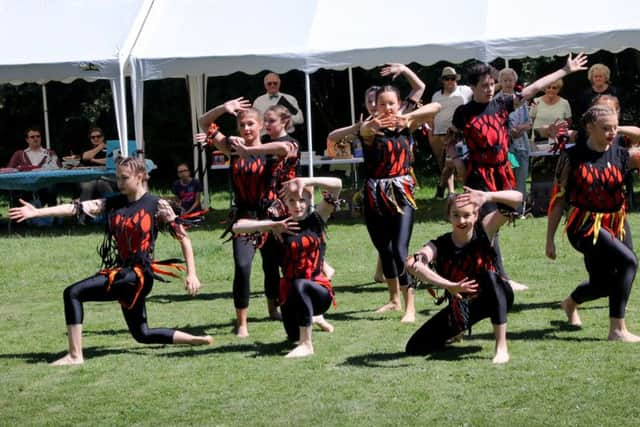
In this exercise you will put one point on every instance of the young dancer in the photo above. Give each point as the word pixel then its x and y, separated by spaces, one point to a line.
pixel 133 219
pixel 305 291
pixel 465 266
pixel 484 124
pixel 590 182
pixel 388 193
pixel 252 170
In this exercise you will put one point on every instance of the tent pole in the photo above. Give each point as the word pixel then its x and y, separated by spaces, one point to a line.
pixel 307 87
pixel 353 108
pixel 45 109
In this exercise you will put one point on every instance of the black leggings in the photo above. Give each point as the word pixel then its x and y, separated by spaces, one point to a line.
pixel 243 253
pixel 390 235
pixel 611 265
pixel 306 299
pixel 495 299
pixel 95 289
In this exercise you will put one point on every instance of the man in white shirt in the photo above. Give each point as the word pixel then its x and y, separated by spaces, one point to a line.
pixel 274 97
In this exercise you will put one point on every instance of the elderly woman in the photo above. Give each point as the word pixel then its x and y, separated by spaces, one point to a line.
pixel 600 84
pixel 548 109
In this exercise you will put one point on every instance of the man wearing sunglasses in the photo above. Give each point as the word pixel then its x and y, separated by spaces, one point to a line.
pixel 273 96
pixel 449 97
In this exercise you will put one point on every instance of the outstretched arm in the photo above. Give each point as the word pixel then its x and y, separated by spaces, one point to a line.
pixel 573 64
pixel 28 211
pixel 338 134
pixel 422 115
pixel 285 226
pixel 279 148
pixel 418 266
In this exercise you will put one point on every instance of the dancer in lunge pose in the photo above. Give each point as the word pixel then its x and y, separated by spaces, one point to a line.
pixel 464 264
pixel 590 182
pixel 132 222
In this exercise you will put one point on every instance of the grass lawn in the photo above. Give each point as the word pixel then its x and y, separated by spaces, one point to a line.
pixel 359 374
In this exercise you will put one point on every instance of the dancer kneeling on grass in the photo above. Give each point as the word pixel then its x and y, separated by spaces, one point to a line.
pixel 465 266
pixel 590 180
pixel 305 292
pixel 129 269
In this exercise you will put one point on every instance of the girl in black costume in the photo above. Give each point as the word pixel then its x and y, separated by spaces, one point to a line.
pixel 590 182
pixel 305 291
pixel 464 263
pixel 129 269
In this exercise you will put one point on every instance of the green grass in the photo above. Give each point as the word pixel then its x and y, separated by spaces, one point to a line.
pixel 358 376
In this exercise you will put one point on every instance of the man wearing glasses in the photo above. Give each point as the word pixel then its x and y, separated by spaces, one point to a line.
pixel 33 157
pixel 275 97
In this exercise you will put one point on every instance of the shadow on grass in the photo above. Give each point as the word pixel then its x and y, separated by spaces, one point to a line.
pixel 360 288
pixel 553 305
pixel 88 353
pixel 255 350
pixel 379 360
pixel 542 334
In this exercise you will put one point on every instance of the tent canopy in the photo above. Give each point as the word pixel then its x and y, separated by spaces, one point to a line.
pixel 63 40
pixel 219 38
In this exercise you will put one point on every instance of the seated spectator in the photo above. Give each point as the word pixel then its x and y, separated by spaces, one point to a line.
pixel 187 189
pixel 36 156
pixel 95 156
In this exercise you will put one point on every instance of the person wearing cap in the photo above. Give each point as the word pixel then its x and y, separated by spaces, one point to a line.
pixel 273 96
pixel 449 97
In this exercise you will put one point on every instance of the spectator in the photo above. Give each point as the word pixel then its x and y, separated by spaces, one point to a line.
pixel 599 76
pixel 549 108
pixel 275 97
pixel 449 97
pixel 187 189
pixel 95 156
pixel 33 157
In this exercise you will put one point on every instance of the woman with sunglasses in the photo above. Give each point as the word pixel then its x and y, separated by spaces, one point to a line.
pixel 95 156
pixel 548 109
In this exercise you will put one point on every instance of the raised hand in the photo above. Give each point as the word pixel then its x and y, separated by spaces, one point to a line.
pixel 233 106
pixel 392 69
pixel 576 64
pixel 286 226
pixel 293 187
pixel 471 196
pixel 237 146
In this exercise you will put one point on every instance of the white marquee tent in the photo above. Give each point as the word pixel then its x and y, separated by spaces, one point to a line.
pixel 63 40
pixel 199 38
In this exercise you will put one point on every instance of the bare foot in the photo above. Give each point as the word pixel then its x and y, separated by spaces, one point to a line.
pixel 516 286
pixel 322 323
pixel 623 336
pixel 409 317
pixel 242 332
pixel 205 340
pixel 303 349
pixel 571 310
pixel 378 277
pixel 390 306
pixel 502 356
pixel 67 359
pixel 328 271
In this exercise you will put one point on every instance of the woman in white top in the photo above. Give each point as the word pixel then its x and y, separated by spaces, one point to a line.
pixel 449 97
pixel 549 108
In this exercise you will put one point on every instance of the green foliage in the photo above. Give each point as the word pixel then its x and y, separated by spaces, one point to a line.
pixel 359 374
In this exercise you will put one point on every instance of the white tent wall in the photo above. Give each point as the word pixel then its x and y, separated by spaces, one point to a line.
pixel 64 40
pixel 222 37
